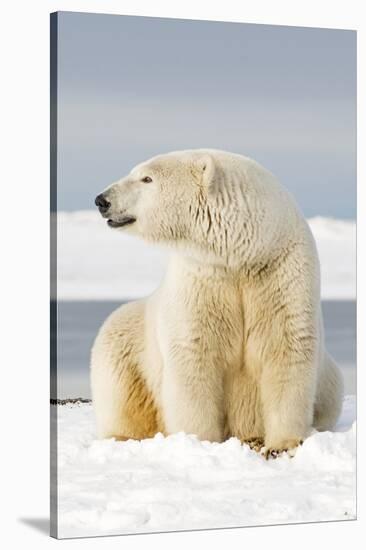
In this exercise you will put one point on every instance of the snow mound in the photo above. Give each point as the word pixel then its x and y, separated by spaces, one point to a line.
pixel 131 268
pixel 178 482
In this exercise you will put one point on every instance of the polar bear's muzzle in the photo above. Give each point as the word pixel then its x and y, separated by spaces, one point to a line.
pixel 104 208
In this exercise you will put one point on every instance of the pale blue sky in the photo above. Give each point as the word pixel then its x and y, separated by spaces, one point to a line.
pixel 133 87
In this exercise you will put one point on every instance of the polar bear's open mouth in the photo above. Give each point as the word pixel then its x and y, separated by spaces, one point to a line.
pixel 125 221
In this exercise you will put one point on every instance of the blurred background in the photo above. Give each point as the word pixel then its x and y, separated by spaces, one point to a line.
pixel 129 88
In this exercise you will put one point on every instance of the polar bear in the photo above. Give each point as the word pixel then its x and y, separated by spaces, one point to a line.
pixel 231 343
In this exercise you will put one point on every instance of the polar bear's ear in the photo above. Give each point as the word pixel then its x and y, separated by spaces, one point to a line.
pixel 205 169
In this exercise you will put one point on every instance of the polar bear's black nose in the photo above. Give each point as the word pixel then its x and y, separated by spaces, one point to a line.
pixel 102 203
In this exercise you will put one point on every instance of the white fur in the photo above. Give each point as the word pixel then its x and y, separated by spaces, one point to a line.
pixel 231 343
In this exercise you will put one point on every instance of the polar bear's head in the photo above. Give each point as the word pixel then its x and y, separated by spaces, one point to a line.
pixel 161 199
pixel 198 200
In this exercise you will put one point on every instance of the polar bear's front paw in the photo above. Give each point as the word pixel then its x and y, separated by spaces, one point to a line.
pixel 255 443
pixel 288 446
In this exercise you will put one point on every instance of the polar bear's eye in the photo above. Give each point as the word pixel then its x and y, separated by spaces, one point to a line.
pixel 147 179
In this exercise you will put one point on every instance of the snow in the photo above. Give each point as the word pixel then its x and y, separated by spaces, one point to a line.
pixel 97 263
pixel 178 482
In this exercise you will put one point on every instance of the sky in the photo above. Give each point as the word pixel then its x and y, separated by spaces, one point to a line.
pixel 133 87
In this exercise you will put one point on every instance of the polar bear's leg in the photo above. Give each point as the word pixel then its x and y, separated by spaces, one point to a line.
pixel 288 380
pixel 243 409
pixel 200 339
pixel 329 396
pixel 287 392
pixel 192 398
pixel 123 405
